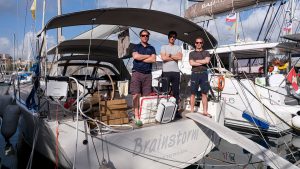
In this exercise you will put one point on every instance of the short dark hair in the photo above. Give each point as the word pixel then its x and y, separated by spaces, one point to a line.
pixel 199 37
pixel 144 30
pixel 172 33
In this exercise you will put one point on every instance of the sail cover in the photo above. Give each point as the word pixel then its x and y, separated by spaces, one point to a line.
pixel 213 7
pixel 157 21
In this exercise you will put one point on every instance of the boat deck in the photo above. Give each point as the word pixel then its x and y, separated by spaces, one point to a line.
pixel 53 112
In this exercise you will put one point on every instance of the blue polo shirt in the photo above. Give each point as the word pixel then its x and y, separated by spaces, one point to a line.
pixel 141 66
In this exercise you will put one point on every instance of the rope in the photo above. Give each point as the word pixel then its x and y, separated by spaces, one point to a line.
pixel 274 113
pixel 56 140
pixel 267 113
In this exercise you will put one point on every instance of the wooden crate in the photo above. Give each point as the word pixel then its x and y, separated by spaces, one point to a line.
pixel 113 112
pixel 113 106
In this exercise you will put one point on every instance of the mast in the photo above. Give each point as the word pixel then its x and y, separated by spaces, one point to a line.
pixel 236 27
pixel 59 30
pixel 44 45
pixel 292 14
pixel 14 57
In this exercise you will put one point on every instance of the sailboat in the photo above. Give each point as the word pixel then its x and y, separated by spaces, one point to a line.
pixel 249 105
pixel 68 139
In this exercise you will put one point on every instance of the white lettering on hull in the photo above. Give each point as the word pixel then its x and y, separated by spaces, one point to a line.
pixel 164 142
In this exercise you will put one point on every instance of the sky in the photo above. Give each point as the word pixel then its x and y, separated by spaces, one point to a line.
pixel 16 21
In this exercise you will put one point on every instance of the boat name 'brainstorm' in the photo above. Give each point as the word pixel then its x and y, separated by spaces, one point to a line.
pixel 164 141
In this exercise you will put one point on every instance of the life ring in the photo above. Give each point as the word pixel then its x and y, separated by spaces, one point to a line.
pixel 221 83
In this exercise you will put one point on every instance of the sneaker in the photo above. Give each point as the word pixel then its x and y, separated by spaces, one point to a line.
pixel 138 123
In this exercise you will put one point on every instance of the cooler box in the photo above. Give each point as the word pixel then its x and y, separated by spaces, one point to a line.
pixel 148 107
pixel 166 112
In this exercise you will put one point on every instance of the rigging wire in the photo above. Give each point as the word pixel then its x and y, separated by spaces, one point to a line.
pixel 252 111
pixel 242 27
pixel 255 123
pixel 276 22
pixel 265 107
pixel 271 22
pixel 263 24
pixel 283 23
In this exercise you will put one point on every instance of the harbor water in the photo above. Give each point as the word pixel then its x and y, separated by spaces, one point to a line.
pixel 224 155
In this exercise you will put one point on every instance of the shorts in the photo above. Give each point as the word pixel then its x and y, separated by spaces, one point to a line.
pixel 199 78
pixel 141 83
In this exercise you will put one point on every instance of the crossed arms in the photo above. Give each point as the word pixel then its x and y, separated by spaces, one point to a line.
pixel 168 57
pixel 199 62
pixel 145 58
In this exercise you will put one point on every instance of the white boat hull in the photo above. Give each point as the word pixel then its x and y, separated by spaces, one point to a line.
pixel 173 145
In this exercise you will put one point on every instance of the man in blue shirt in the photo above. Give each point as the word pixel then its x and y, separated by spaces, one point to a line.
pixel 141 81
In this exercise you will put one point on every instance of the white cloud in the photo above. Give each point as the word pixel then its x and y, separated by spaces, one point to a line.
pixel 4 45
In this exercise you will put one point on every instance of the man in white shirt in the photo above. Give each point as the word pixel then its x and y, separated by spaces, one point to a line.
pixel 170 54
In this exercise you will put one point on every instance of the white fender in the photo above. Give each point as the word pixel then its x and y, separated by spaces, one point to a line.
pixel 296 142
pixel 296 121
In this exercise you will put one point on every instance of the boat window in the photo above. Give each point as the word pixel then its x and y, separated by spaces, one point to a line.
pixel 104 71
pixel 79 70
pixel 110 65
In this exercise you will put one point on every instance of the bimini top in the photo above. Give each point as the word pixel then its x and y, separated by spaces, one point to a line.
pixel 81 46
pixel 157 21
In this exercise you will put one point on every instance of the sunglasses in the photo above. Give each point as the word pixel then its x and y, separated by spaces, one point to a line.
pixel 172 37
pixel 198 42
pixel 145 36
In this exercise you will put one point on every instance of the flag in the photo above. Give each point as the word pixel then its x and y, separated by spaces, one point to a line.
pixel 292 78
pixel 288 26
pixel 33 8
pixel 231 17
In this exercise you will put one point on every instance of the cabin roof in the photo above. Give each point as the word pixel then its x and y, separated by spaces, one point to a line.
pixel 157 21
pixel 256 49
pixel 293 37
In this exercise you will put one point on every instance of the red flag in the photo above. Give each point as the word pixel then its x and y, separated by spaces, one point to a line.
pixel 231 17
pixel 288 27
pixel 292 78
